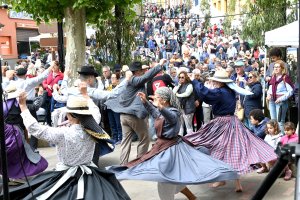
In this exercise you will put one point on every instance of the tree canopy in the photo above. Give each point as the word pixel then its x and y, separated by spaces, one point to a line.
pixel 45 10
pixel 266 15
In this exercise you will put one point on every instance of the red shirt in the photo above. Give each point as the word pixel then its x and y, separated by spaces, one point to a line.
pixel 51 80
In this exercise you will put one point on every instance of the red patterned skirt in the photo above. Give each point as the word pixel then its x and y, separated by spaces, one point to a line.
pixel 230 141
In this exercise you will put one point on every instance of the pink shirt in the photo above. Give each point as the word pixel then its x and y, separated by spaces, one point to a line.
pixel 289 139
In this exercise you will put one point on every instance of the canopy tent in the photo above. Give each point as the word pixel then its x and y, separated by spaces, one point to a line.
pixel 285 36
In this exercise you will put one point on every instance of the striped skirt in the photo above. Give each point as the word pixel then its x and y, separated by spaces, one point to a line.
pixel 230 141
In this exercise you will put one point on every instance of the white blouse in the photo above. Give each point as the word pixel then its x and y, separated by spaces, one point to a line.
pixel 74 146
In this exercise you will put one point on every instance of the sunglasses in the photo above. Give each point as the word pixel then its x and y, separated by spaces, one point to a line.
pixel 181 77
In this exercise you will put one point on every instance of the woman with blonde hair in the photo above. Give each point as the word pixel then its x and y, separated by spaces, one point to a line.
pixel 280 89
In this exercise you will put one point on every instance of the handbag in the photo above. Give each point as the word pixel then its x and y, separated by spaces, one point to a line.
pixel 240 111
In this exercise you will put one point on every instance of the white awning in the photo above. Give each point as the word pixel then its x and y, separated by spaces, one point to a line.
pixel 285 36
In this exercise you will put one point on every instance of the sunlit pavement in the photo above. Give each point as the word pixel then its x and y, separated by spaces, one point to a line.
pixel 143 190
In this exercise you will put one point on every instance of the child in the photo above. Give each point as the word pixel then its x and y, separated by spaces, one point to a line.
pixel 290 137
pixel 259 123
pixel 273 137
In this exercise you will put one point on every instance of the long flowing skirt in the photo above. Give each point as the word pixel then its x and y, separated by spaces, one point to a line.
pixel 230 141
pixel 179 164
pixel 100 185
pixel 20 157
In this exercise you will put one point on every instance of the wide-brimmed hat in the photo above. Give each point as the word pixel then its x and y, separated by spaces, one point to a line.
pixel 11 91
pixel 135 66
pixel 78 105
pixel 88 70
pixel 221 76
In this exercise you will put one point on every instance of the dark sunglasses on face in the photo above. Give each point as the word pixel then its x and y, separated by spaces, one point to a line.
pixel 181 77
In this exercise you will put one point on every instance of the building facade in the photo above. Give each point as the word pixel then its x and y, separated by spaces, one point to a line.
pixel 15 33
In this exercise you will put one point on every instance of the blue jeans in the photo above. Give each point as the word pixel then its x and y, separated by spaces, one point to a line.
pixel 115 125
pixel 278 112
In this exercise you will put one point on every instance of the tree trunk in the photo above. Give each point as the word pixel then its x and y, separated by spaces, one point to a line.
pixel 118 35
pixel 75 21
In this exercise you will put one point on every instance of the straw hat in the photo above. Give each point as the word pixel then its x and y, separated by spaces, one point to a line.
pixel 221 76
pixel 11 91
pixel 78 105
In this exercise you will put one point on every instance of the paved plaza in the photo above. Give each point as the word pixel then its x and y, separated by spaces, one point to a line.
pixel 143 190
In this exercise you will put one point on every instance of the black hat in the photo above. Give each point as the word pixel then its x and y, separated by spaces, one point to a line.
pixel 135 66
pixel 21 71
pixel 117 67
pixel 47 66
pixel 88 70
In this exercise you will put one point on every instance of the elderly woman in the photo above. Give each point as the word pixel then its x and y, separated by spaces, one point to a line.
pixel 171 162
pixel 225 136
pixel 76 176
pixel 281 88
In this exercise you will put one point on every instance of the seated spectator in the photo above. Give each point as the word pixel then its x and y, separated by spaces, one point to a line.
pixel 259 121
pixel 290 137
pixel 272 138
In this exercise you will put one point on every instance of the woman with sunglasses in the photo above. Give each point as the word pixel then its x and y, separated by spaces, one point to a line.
pixel 185 95
pixel 252 101
pixel 280 89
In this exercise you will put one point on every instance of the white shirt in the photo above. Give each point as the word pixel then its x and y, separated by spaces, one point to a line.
pixel 74 146
pixel 272 140
pixel 29 84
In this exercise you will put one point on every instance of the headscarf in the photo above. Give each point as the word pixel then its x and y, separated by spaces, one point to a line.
pixel 167 94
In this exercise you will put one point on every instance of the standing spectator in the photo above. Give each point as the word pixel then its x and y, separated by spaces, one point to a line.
pixel 151 44
pixel 185 95
pixel 173 74
pixel 114 118
pixel 231 51
pixel 275 54
pixel 280 89
pixel 53 78
pixel 221 54
pixel 252 101
pixel 198 116
pixel 105 81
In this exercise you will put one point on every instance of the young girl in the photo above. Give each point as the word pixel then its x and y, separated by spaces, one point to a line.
pixel 273 136
pixel 290 137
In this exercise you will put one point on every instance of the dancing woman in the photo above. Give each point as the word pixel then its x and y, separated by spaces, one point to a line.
pixel 22 160
pixel 172 162
pixel 76 176
pixel 225 136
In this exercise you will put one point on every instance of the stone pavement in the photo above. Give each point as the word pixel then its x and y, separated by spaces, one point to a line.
pixel 143 190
